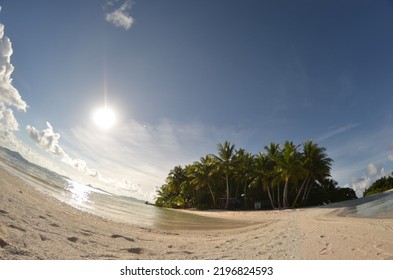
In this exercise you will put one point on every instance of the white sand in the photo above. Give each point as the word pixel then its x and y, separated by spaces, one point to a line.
pixel 35 226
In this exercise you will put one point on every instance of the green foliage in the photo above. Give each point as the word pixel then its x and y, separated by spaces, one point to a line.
pixel 294 175
pixel 381 185
pixel 329 192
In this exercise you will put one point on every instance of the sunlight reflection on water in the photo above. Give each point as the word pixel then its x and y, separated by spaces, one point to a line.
pixel 126 209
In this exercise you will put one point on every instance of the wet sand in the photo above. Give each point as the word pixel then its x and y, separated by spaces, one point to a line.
pixel 36 226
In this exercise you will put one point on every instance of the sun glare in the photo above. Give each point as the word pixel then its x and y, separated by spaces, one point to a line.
pixel 104 118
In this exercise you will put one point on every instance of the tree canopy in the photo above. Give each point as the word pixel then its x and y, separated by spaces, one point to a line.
pixel 381 185
pixel 279 177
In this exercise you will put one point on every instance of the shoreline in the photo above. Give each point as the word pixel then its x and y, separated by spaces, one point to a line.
pixel 36 226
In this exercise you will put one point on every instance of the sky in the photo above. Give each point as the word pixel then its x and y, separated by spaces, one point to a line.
pixel 182 76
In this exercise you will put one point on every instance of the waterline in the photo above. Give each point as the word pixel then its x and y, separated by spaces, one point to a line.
pixel 376 206
pixel 119 208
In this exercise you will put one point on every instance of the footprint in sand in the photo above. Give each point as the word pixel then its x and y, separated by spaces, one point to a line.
pixel 327 250
pixel 43 237
pixel 18 228
pixel 72 239
pixel 134 250
pixel 3 243
pixel 121 236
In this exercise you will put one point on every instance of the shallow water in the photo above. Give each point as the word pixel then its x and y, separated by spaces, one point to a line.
pixel 119 208
pixel 380 206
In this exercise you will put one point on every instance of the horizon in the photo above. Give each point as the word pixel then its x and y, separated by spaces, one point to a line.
pixel 176 79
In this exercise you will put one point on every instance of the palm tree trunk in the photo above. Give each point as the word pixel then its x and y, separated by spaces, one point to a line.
pixel 278 196
pixel 305 193
pixel 212 194
pixel 270 197
pixel 308 193
pixel 300 191
pixel 285 194
pixel 227 183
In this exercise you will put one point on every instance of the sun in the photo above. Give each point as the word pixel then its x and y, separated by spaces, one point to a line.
pixel 104 118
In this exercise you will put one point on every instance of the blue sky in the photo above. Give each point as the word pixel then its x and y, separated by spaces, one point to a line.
pixel 183 76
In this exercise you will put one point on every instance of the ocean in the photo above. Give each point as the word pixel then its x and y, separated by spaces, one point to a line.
pixel 376 206
pixel 104 204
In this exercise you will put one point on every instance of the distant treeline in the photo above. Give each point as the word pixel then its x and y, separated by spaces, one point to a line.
pixel 381 185
pixel 279 177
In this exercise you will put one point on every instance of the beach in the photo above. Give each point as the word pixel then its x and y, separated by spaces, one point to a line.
pixel 36 226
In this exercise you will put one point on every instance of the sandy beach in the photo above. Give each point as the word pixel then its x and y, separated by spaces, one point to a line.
pixel 36 226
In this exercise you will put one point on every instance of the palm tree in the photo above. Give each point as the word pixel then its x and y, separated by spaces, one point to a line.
pixel 273 152
pixel 243 168
pixel 299 172
pixel 317 166
pixel 264 173
pixel 176 190
pixel 225 160
pixel 203 175
pixel 290 167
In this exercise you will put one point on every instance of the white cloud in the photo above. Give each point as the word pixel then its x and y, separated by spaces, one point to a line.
pixel 140 155
pixel 360 184
pixel 120 16
pixel 9 95
pixel 372 170
pixel 48 140
pixel 7 120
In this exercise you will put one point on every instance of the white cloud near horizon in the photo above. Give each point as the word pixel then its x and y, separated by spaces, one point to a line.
pixel 120 17
pixel 145 153
pixel 372 170
pixel 360 172
pixel 361 183
pixel 48 140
